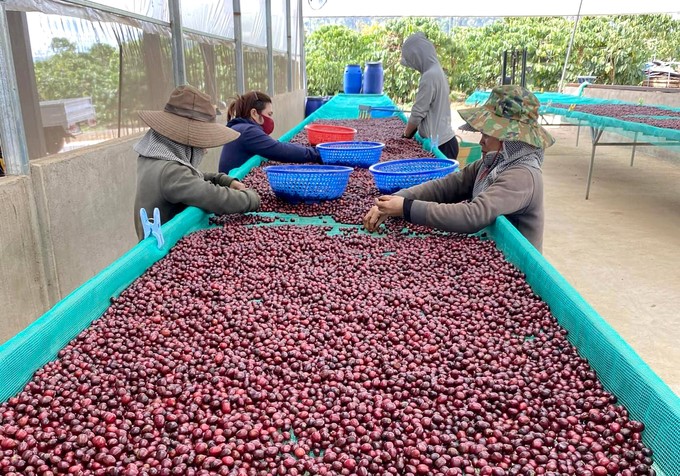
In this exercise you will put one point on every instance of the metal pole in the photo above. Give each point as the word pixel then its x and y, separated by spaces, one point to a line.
pixel 12 134
pixel 289 47
pixel 270 49
pixel 303 66
pixel 238 39
pixel 571 42
pixel 632 156
pixel 596 134
pixel 178 65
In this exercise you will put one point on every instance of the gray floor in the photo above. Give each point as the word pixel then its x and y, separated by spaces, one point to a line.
pixel 621 248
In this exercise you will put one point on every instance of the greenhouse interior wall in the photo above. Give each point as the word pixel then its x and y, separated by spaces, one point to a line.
pixel 72 214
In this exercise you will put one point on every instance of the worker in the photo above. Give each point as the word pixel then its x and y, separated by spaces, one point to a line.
pixel 507 181
pixel 252 116
pixel 168 177
pixel 431 111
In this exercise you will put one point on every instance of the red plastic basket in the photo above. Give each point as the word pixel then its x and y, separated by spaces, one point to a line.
pixel 318 133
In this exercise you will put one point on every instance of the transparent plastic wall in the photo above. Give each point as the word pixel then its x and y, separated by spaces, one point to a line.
pixel 92 77
pixel 254 22
pixel 279 45
pixel 211 67
pixel 84 69
pixel 215 17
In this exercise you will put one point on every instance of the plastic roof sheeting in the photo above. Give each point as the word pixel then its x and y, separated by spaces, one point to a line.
pixel 488 8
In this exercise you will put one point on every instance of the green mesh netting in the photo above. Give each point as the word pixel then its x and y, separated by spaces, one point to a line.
pixel 566 106
pixel 619 368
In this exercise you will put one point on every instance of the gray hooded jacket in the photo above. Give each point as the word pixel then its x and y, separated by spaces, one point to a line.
pixel 431 112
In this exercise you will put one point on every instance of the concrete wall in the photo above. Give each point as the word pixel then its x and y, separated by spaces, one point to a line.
pixel 649 96
pixel 73 216
pixel 23 295
pixel 85 201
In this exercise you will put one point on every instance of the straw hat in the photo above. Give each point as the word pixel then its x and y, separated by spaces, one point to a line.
pixel 510 113
pixel 189 118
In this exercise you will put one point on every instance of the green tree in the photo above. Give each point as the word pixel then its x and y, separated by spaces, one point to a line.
pixel 328 50
pixel 613 48
pixel 69 73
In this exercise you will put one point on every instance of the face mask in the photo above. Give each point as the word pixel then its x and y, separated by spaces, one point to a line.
pixel 268 125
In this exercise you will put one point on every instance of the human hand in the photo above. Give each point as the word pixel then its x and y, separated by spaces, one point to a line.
pixel 390 205
pixel 373 219
pixel 236 185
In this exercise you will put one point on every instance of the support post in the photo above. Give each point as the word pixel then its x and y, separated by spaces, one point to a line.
pixel 289 47
pixel 303 65
pixel 178 65
pixel 632 156
pixel 12 133
pixel 270 49
pixel 238 39
pixel 596 134
pixel 571 43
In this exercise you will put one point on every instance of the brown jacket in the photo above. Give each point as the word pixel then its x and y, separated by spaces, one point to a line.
pixel 517 193
pixel 172 187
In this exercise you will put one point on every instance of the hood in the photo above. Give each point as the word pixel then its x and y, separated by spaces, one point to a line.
pixel 418 52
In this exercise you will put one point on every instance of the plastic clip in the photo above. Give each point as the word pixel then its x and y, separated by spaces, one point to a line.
pixel 152 228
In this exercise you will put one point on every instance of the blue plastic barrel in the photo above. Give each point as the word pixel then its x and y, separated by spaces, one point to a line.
pixel 373 78
pixel 312 103
pixel 352 79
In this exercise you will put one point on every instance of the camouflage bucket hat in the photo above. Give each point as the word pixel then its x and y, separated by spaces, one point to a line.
pixel 510 113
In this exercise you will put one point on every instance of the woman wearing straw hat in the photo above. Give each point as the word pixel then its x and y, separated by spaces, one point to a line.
pixel 507 181
pixel 169 154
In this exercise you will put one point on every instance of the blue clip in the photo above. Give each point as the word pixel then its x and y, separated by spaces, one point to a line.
pixel 152 228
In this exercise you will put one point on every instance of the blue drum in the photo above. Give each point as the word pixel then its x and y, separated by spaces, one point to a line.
pixel 352 79
pixel 373 78
pixel 313 103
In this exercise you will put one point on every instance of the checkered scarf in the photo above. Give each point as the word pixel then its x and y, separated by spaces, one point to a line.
pixel 157 146
pixel 512 154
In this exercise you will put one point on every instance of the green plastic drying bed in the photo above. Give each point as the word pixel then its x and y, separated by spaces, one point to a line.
pixel 552 103
pixel 619 368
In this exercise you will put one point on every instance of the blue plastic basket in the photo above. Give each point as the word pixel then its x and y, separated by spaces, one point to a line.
pixel 308 183
pixel 354 154
pixel 394 175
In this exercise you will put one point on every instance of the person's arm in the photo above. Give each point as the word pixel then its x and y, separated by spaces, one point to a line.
pixel 259 143
pixel 180 185
pixel 420 108
pixel 452 188
pixel 219 178
pixel 510 193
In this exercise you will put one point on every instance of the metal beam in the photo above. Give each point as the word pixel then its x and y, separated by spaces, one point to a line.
pixel 178 65
pixel 560 87
pixel 270 48
pixel 289 47
pixel 12 134
pixel 26 84
pixel 301 40
pixel 238 39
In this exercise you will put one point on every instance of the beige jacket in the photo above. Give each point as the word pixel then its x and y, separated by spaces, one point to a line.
pixel 517 193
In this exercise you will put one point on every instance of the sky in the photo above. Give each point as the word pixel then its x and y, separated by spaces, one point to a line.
pixel 491 8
